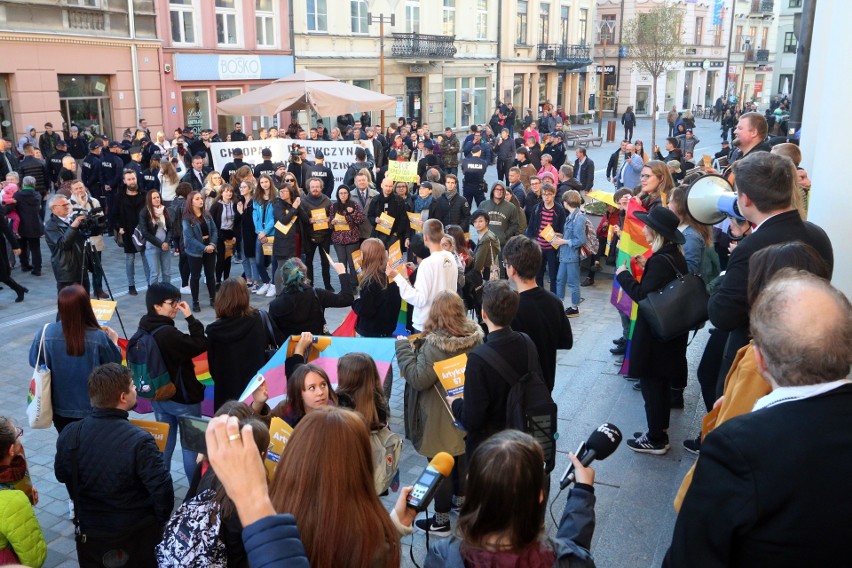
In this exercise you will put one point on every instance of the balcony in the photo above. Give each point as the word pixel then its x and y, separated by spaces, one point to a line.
pixel 564 56
pixel 762 6
pixel 757 56
pixel 423 47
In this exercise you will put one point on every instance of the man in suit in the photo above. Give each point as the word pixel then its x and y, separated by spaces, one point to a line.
pixel 584 169
pixel 771 486
pixel 196 176
pixel 615 161
pixel 631 168
pixel 765 183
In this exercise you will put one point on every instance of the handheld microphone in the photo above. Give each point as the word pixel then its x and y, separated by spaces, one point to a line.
pixel 427 484
pixel 600 445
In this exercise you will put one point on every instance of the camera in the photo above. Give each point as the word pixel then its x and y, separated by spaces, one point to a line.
pixel 94 221
pixel 295 153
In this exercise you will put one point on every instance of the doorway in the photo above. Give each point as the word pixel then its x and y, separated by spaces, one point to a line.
pixel 643 96
pixel 414 98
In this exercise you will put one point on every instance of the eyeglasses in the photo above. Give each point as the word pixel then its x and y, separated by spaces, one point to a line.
pixel 170 302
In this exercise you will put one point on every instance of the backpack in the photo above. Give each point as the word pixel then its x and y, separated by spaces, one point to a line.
pixel 529 407
pixel 191 537
pixel 150 374
pixel 592 242
pixel 387 449
pixel 138 239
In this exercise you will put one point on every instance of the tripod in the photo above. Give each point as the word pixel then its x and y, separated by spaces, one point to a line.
pixel 92 259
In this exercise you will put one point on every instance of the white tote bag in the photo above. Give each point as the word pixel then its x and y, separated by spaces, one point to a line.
pixel 39 403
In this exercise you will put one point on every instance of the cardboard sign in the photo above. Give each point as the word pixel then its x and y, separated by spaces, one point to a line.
pixel 103 310
pixel 549 234
pixel 160 431
pixel 385 223
pixel 267 246
pixel 395 254
pixel 708 160
pixel 357 257
pixel 415 220
pixel 319 219
pixel 340 223
pixel 451 374
pixel 403 171
pixel 279 226
pixel 279 435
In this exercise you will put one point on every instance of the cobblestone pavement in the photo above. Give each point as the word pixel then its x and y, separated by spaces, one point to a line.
pixel 634 513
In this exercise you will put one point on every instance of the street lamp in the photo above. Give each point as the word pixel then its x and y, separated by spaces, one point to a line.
pixel 610 26
pixel 381 19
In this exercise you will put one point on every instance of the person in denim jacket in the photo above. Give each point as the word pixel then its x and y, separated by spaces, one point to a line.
pixel 572 238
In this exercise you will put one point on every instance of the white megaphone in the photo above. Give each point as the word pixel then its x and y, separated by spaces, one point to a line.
pixel 710 199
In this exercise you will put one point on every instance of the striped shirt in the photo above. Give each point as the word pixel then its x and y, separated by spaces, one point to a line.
pixel 546 219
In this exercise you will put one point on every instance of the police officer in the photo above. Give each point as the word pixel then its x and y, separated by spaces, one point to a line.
pixel 151 175
pixel 266 166
pixel 231 167
pixel 112 168
pixel 90 170
pixel 473 170
pixel 322 172
pixel 135 162
pixel 54 163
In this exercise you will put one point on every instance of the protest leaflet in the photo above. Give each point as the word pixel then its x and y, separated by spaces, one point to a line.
pixel 549 234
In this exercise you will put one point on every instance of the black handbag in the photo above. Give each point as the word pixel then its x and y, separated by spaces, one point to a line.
pixel 271 345
pixel 678 307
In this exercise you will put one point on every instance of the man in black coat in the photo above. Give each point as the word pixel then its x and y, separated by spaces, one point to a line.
pixel 584 169
pixel 121 488
pixel 765 188
pixel 197 174
pixel 771 487
pixel 231 167
pixel 453 209
pixel 66 242
pixel 238 135
pixel 8 159
pixel 28 204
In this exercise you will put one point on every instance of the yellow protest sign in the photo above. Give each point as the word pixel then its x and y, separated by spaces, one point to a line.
pixel 549 234
pixel 415 220
pixel 402 171
pixel 159 430
pixel 339 223
pixel 279 434
pixel 319 219
pixel 609 236
pixel 267 246
pixel 279 226
pixel 357 257
pixel 385 223
pixel 451 374
pixel 395 254
pixel 604 196
pixel 103 310
pixel 321 343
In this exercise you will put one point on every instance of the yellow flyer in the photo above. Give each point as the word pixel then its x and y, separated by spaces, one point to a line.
pixel 549 234
pixel 319 219
pixel 395 254
pixel 340 223
pixel 160 431
pixel 267 246
pixel 385 223
pixel 451 374
pixel 103 310
pixel 279 226
pixel 416 222
pixel 356 262
pixel 610 233
pixel 279 434
pixel 403 171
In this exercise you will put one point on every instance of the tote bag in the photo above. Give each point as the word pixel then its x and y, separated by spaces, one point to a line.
pixel 39 404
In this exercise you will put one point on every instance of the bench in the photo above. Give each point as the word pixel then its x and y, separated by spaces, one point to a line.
pixel 583 137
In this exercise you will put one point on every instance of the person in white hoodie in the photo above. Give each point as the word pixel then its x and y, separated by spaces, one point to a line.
pixel 436 273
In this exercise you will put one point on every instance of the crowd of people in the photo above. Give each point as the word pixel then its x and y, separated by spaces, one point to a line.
pixel 473 268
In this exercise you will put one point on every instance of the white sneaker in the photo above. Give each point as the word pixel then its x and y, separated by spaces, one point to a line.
pixel 271 292
pixel 262 290
pixel 185 290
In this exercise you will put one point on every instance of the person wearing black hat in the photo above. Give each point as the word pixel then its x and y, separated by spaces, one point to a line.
pixel 111 171
pixel 725 152
pixel 657 363
pixel 473 172
pixel 322 172
pixel 429 160
pixel 151 176
pixel 135 162
pixel 233 166
pixel 266 166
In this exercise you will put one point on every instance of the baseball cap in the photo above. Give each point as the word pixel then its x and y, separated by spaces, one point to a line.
pixel 266 153
pixel 319 155
pixel 95 145
pixel 427 144
pixel 238 152
pixel 61 143
pixel 725 143
pixel 115 144
pixel 475 149
pixel 135 150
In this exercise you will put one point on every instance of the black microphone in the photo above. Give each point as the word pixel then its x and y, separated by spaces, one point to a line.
pixel 600 445
pixel 427 484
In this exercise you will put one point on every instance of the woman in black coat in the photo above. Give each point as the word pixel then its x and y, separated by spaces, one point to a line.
pixel 227 218
pixel 285 209
pixel 5 272
pixel 658 363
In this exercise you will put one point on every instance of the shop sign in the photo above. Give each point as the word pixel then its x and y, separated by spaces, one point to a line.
pixel 239 67
pixel 610 69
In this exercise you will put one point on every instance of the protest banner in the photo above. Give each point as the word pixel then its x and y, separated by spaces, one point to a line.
pixel 159 430
pixel 451 374
pixel 403 171
pixel 103 310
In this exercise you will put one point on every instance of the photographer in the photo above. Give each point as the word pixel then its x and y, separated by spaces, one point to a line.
pixel 95 225
pixel 299 164
pixel 61 231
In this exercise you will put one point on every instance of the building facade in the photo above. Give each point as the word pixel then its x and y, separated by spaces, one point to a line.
pixel 216 49
pixel 786 46
pixel 753 50
pixel 695 79
pixel 546 55
pixel 440 55
pixel 93 63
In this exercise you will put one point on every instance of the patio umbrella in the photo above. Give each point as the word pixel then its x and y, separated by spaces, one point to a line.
pixel 305 90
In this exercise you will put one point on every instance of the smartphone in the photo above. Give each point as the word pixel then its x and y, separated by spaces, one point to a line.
pixel 192 433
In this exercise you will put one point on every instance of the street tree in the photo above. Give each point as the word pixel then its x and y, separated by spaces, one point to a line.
pixel 653 41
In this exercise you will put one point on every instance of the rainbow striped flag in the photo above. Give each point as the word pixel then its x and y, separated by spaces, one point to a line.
pixel 631 244
pixel 347 327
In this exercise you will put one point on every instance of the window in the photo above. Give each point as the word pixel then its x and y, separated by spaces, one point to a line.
pixel 94 3
pixel 521 35
pixel 785 83
pixel 584 22
pixel 790 43
pixel 474 100
pixel 606 33
pixel 358 10
pixel 7 129
pixel 226 23
pixel 448 27
pixel 84 100
pixel 264 12
pixel 795 3
pixel 183 25
pixel 717 36
pixel 317 16
pixel 196 109
pixel 412 16
pixel 481 19
pixel 699 31
pixel 563 23
pixel 544 23
pixel 764 38
pixel 480 100
pixel 738 42
pixel 226 123
pixel 450 93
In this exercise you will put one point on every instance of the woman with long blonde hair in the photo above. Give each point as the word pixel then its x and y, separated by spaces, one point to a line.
pixel 656 183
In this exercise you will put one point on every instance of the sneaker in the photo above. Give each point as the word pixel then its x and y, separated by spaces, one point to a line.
pixel 587 282
pixel 619 349
pixel 185 290
pixel 196 307
pixel 262 290
pixel 693 446
pixel 643 445
pixel 271 292
pixel 619 341
pixel 572 312
pixel 428 525
pixel 132 291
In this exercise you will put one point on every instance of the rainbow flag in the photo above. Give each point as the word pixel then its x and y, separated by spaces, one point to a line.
pixel 324 353
pixel 202 373
pixel 347 327
pixel 632 243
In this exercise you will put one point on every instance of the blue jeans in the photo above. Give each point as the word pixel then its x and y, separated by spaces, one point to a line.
pixel 130 268
pixel 159 264
pixel 260 261
pixel 168 411
pixel 550 262
pixel 569 274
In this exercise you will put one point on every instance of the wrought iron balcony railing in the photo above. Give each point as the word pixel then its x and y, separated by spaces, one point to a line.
pixel 567 56
pixel 422 46
pixel 757 56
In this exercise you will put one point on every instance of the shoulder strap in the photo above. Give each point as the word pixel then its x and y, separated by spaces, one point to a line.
pixel 270 334
pixel 503 367
pixel 75 476
pixel 669 260
pixel 41 346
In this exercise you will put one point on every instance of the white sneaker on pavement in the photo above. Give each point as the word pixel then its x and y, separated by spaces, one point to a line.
pixel 271 292
pixel 185 290
pixel 262 290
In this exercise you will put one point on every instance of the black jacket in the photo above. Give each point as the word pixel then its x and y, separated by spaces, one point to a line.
pixel 557 152
pixel 112 167
pixel 54 165
pixel 542 317
pixel 90 174
pixel 304 310
pixel 66 249
pixel 178 349
pixel 377 309
pixel 558 224
pixel 454 210
pixel 216 214
pixel 323 173
pixel 394 206
pixel 124 483
pixel 128 208
pixel 236 351
pixel 284 246
pixel 587 173
pixel 149 232
pixel 30 166
pixel 612 165
pixel 229 170
pixel 192 179
pixel 28 206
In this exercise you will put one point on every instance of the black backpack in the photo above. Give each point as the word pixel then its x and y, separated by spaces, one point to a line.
pixel 529 407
